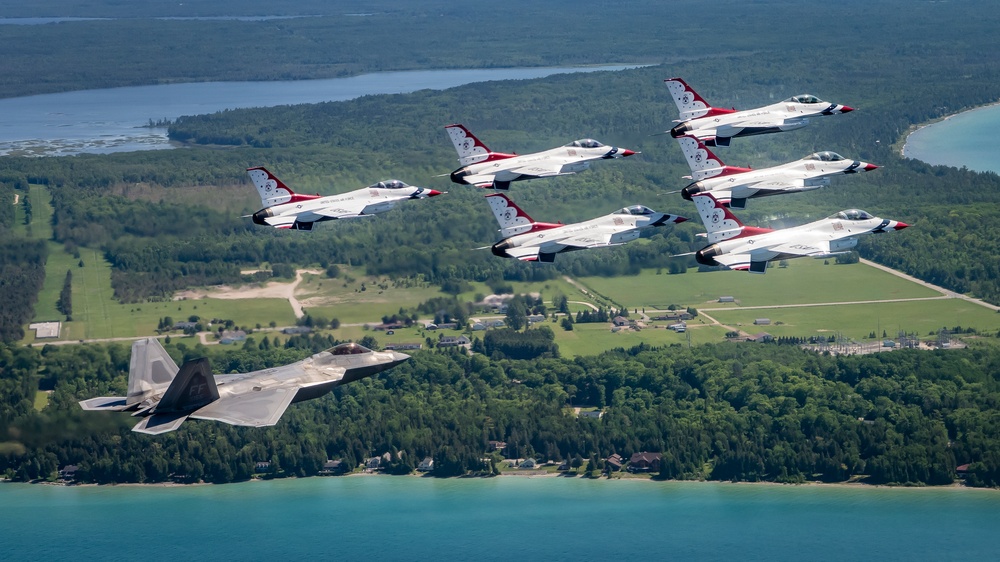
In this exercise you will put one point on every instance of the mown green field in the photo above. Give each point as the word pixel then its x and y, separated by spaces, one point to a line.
pixel 590 339
pixel 803 281
pixel 857 321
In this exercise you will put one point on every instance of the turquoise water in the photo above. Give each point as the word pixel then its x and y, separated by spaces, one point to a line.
pixel 966 139
pixel 508 518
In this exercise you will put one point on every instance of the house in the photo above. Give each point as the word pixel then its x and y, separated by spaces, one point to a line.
pixel 613 463
pixel 448 326
pixel 762 322
pixel 478 326
pixel 373 463
pixel 536 318
pixel 453 341
pixel 598 414
pixel 678 316
pixel 497 445
pixel 402 346
pixel 296 330
pixel 184 325
pixel 620 321
pixel 334 467
pixel 426 465
pixel 497 323
pixel 528 464
pixel 262 466
pixel 762 337
pixel 644 462
pixel 232 336
pixel 961 470
pixel 563 466
pixel 68 473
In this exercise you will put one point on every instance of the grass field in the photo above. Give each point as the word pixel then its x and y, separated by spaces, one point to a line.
pixel 859 320
pixel 590 339
pixel 803 281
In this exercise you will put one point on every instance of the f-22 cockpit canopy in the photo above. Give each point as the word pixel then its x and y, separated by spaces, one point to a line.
pixel 805 98
pixel 852 215
pixel 349 348
pixel 584 143
pixel 826 156
pixel 390 184
pixel 638 210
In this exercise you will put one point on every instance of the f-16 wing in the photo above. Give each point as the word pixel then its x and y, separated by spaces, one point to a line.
pixel 538 170
pixel 588 240
pixel 256 409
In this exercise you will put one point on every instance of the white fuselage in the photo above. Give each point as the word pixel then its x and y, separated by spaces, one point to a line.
pixel 553 162
pixel 609 230
pixel 801 175
pixel 782 116
pixel 360 202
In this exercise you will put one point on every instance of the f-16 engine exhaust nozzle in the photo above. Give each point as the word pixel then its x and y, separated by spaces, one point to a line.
pixel 680 130
pixel 690 191
pixel 259 216
pixel 706 256
pixel 500 249
pixel 458 176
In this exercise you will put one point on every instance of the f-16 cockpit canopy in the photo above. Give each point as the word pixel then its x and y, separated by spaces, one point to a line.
pixel 638 210
pixel 585 143
pixel 852 215
pixel 349 348
pixel 805 98
pixel 826 156
pixel 390 184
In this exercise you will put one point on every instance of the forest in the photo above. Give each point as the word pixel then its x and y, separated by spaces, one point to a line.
pixel 732 412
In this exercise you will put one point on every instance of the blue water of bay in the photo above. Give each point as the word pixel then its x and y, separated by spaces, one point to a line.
pixel 965 139
pixel 410 518
pixel 115 119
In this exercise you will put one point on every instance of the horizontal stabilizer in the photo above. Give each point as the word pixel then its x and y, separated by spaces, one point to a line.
pixel 256 409
pixel 108 403
pixel 160 423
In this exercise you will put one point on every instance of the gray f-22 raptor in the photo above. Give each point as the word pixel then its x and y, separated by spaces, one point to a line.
pixel 164 396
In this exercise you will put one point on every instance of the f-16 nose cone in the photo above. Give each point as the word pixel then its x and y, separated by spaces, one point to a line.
pixel 900 226
pixel 846 109
pixel 434 192
pixel 870 167
pixel 627 152
pixel 680 220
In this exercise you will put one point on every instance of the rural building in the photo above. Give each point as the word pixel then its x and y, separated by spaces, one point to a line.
pixel 478 326
pixel 762 337
pixel 495 323
pixel 535 318
pixel 46 329
pixel 613 463
pixel 497 445
pixel 598 414
pixel 68 472
pixel 620 321
pixel 373 463
pixel 184 325
pixel 727 299
pixel 453 341
pixel 644 462
pixel 334 467
pixel 426 465
pixel 296 330
pixel 232 336
pixel 262 466
pixel 762 322
pixel 388 326
pixel 402 346
pixel 528 464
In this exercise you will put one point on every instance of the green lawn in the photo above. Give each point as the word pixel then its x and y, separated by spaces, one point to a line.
pixel 803 281
pixel 859 320
pixel 591 339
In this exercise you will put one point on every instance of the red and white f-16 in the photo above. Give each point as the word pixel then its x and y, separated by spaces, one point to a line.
pixel 736 246
pixel 482 167
pixel 283 208
pixel 528 240
pixel 716 126
pixel 733 186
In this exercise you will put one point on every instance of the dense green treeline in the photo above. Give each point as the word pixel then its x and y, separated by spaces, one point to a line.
pixel 723 412
pixel 22 272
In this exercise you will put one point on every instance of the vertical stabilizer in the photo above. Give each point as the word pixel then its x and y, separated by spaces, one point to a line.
pixel 150 371
pixel 272 191
pixel 511 218
pixel 470 149
pixel 193 387
pixel 719 222
pixel 689 103
pixel 701 160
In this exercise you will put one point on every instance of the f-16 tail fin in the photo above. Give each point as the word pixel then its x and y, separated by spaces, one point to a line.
pixel 511 218
pixel 470 149
pixel 720 223
pixel 272 191
pixel 689 104
pixel 701 160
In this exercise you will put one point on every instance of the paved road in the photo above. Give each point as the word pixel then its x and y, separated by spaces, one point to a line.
pixel 942 290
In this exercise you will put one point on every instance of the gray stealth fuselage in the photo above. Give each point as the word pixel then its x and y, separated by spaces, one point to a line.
pixel 252 399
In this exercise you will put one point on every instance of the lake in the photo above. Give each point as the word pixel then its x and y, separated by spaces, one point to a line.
pixel 965 139
pixel 505 518
pixel 115 119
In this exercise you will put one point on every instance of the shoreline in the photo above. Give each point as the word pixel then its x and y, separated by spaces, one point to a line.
pixel 920 126
pixel 957 485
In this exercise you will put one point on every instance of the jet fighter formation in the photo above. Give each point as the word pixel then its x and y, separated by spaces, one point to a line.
pixel 165 396
pixel 528 240
pixel 283 208
pixel 733 186
pixel 717 126
pixel 482 167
